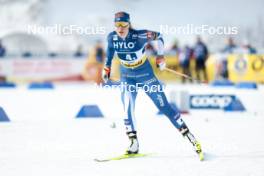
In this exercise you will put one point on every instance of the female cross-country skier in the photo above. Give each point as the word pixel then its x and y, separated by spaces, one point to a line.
pixel 129 45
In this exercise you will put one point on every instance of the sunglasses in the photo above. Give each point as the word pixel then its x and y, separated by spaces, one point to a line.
pixel 121 24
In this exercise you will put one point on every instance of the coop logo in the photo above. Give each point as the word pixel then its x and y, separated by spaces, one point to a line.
pixel 124 45
pixel 211 101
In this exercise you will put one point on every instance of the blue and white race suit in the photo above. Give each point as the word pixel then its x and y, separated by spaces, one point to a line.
pixel 136 71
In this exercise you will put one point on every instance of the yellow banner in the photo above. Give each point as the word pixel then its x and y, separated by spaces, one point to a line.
pixel 246 68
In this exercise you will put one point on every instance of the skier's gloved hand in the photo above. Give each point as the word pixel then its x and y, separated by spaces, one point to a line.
pixel 106 74
pixel 160 62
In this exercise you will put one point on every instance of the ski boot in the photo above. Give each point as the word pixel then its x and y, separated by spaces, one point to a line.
pixel 133 147
pixel 197 146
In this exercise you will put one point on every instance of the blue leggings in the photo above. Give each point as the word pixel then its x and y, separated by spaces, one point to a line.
pixel 143 77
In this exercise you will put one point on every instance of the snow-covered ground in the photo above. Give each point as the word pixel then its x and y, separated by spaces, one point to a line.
pixel 44 138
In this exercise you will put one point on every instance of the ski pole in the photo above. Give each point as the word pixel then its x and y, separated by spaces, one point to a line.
pixel 184 75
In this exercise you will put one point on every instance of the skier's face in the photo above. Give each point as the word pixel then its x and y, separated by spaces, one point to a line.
pixel 122 29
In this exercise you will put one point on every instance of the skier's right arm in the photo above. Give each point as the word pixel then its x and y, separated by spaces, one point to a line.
pixel 109 57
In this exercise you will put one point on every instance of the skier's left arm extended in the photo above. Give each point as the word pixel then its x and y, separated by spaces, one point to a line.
pixel 157 36
pixel 160 60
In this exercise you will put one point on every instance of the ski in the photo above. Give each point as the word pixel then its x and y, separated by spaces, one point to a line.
pixel 201 156
pixel 121 157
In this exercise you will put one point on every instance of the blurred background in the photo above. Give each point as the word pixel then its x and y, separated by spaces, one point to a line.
pixel 51 56
pixel 44 40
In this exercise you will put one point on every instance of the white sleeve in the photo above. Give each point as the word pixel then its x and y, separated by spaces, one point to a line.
pixel 160 48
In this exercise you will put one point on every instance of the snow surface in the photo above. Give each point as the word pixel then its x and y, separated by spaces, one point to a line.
pixel 44 138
